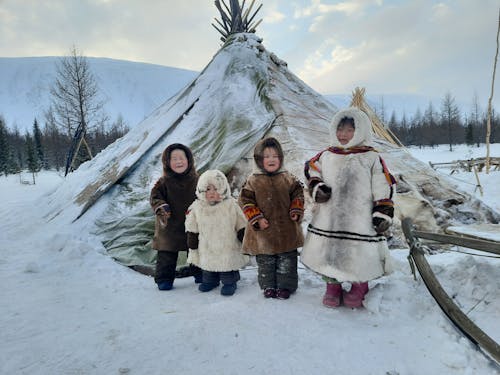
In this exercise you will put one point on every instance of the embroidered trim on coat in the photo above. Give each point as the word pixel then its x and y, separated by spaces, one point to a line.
pixel 252 212
pixel 297 205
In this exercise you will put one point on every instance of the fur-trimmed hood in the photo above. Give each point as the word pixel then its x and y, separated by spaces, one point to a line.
pixel 362 132
pixel 216 178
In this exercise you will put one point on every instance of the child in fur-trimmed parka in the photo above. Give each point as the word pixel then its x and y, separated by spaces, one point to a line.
pixel 272 200
pixel 353 190
pixel 215 227
pixel 170 197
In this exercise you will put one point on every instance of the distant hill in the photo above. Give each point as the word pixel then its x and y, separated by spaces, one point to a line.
pixel 135 89
pixel 131 89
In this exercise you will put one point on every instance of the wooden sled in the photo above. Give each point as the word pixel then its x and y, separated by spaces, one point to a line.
pixel 451 310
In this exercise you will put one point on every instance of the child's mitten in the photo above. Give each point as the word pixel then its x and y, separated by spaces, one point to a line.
pixel 380 224
pixel 241 234
pixel 192 240
pixel 383 212
pixel 163 212
pixel 323 193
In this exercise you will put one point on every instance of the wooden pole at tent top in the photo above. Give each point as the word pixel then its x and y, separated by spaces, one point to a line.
pixel 358 101
pixel 235 18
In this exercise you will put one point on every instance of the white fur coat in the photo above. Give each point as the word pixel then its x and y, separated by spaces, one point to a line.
pixel 219 249
pixel 341 241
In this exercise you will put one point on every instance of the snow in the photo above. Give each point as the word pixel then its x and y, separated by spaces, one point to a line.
pixel 466 181
pixel 68 308
pixel 130 89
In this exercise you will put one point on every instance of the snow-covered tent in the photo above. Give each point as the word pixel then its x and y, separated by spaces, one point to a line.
pixel 244 94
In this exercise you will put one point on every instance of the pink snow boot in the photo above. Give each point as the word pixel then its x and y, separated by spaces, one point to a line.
pixel 354 298
pixel 332 295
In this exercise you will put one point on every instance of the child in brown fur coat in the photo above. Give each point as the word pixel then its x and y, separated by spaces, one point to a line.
pixel 272 200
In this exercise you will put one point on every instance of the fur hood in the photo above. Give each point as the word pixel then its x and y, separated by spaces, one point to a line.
pixel 362 132
pixel 216 178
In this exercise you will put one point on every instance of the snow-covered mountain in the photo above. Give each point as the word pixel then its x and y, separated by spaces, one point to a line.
pixel 135 89
pixel 128 88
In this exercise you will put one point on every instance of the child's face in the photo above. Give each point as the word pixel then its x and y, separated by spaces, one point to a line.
pixel 271 160
pixel 178 161
pixel 345 132
pixel 211 195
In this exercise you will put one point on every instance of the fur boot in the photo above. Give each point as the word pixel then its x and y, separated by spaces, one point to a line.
pixel 333 295
pixel 354 298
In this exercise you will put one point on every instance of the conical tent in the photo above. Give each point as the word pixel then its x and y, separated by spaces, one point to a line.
pixel 244 94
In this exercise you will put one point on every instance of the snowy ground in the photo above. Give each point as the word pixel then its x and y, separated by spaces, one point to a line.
pixel 67 308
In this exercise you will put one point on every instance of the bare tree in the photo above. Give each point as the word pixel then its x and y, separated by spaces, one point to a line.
pixel 475 119
pixel 75 101
pixel 450 116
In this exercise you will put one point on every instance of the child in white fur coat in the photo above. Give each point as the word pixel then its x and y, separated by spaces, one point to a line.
pixel 353 191
pixel 215 227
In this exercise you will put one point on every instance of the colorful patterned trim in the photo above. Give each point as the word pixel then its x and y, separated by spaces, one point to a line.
pixel 311 164
pixel 252 212
pixel 350 150
pixel 297 206
pixel 388 176
pixel 383 202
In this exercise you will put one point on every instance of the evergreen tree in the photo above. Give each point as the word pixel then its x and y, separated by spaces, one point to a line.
pixel 431 128
pixel 37 138
pixel 31 158
pixel 4 149
pixel 469 133
pixel 18 149
pixel 56 143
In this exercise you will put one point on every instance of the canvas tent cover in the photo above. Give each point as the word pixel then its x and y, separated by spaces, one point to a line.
pixel 242 95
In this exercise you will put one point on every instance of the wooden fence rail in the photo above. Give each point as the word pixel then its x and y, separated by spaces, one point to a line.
pixel 451 310
pixel 467 164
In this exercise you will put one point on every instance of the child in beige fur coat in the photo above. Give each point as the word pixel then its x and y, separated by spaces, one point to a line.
pixel 215 227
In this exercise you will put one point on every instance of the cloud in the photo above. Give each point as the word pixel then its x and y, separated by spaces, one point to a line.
pixel 416 46
pixel 169 33
pixel 318 7
pixel 274 16
pixel 386 45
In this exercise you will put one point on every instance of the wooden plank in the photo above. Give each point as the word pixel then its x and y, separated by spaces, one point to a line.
pixel 480 231
pixel 471 243
pixel 461 321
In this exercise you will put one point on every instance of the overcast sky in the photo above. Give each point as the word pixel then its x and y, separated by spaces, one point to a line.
pixel 388 46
